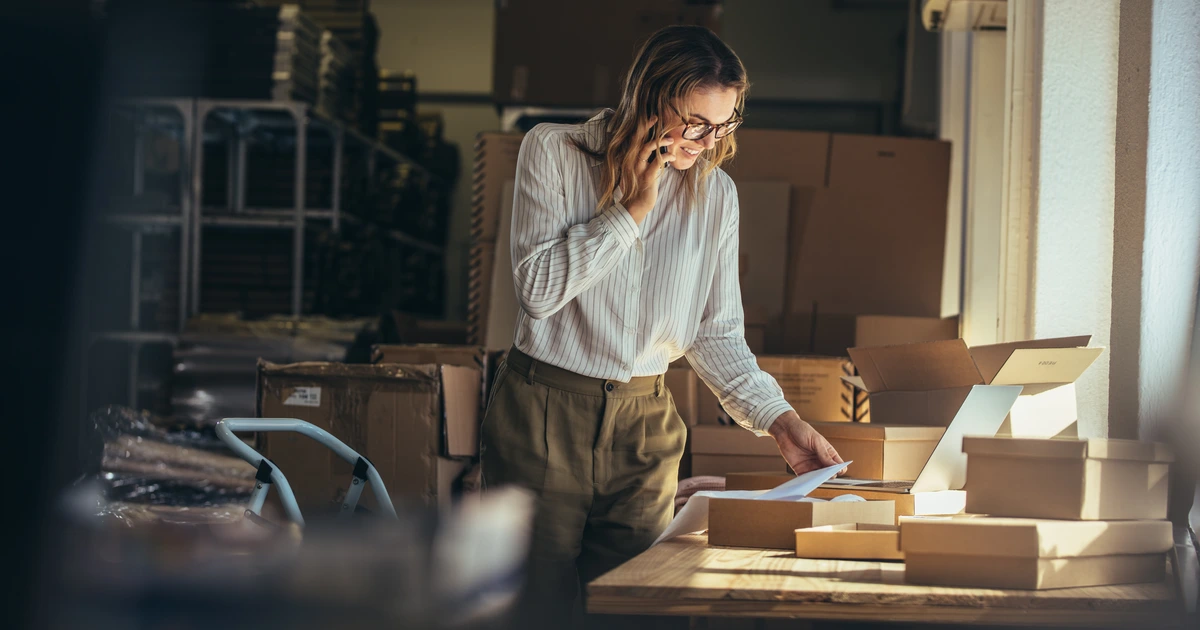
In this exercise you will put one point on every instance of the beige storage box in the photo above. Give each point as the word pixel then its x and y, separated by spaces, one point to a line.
pixel 1033 553
pixel 767 524
pixel 879 451
pixel 1066 478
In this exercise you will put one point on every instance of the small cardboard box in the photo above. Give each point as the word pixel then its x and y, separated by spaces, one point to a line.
pixel 853 541
pixel 766 524
pixel 722 450
pixel 891 452
pixel 406 419
pixel 1077 479
pixel 1032 553
pixel 1048 369
pixel 813 386
pixel 937 503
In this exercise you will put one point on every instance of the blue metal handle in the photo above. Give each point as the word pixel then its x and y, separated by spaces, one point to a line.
pixel 227 427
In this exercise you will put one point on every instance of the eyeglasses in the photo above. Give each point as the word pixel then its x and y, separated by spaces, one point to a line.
pixel 698 131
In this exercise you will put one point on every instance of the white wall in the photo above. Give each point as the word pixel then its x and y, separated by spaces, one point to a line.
pixel 1171 258
pixel 1072 248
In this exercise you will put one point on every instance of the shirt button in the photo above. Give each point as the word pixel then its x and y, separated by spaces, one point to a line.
pixel 609 387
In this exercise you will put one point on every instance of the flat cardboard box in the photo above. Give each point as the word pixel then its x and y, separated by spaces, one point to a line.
pixel 766 524
pixel 721 450
pixel 495 163
pixel 405 419
pixel 849 541
pixel 1077 479
pixel 1048 369
pixel 683 384
pixel 937 503
pixel 813 385
pixel 1032 553
pixel 530 69
pixel 503 305
pixel 884 452
pixel 762 233
pixel 832 334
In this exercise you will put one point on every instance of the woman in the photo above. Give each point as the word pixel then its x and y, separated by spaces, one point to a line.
pixel 625 257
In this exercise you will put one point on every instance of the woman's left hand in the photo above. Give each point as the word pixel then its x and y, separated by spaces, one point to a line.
pixel 804 449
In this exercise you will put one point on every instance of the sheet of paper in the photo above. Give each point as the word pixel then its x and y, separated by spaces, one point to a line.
pixel 694 515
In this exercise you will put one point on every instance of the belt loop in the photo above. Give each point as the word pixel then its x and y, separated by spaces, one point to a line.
pixel 658 385
pixel 532 368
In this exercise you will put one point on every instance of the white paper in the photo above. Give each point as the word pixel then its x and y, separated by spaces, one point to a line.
pixel 694 515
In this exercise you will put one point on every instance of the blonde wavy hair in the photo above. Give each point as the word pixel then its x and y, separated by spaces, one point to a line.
pixel 675 62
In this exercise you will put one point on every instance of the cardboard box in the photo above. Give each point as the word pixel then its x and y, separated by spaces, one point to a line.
pixel 891 452
pixel 868 220
pixel 768 524
pixel 495 163
pixel 852 541
pixel 833 334
pixel 763 253
pixel 722 450
pixel 685 386
pixel 529 66
pixel 1033 554
pixel 431 353
pixel 1092 479
pixel 1048 369
pixel 937 503
pixel 405 419
pixel 813 385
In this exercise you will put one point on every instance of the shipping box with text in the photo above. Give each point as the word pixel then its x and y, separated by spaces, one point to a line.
pixel 417 424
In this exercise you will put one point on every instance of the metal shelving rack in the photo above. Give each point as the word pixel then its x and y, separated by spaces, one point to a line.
pixel 188 215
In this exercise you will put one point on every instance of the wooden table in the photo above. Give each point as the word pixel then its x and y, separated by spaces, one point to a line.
pixel 686 577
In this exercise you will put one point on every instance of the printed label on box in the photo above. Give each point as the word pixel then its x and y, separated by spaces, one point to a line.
pixel 304 397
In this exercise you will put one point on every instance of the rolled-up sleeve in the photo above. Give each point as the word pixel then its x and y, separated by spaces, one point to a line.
pixel 554 262
pixel 720 354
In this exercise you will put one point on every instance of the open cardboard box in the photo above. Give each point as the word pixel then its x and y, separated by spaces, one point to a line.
pixel 924 383
pixel 773 524
pixel 944 502
pixel 1067 478
pixel 880 451
pixel 853 541
pixel 1033 554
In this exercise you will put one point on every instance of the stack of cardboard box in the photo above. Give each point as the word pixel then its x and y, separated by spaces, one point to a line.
pixel 491 199
pixel 1061 512
pixel 414 414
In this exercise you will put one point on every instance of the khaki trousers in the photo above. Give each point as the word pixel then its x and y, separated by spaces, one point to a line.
pixel 601 456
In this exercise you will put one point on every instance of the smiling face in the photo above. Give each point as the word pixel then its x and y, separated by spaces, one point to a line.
pixel 713 106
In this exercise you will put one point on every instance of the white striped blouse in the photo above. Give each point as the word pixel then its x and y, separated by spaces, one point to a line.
pixel 604 297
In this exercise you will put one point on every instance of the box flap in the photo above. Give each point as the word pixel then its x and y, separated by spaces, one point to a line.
pixel 872 431
pixel 715 440
pixel 1046 366
pixel 1067 448
pixel 430 353
pixel 916 366
pixel 460 406
pixel 855 381
pixel 1033 538
pixel 981 413
pixel 991 358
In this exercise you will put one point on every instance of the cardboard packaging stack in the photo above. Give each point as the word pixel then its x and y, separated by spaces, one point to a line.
pixel 1061 512
pixel 492 180
pixel 417 424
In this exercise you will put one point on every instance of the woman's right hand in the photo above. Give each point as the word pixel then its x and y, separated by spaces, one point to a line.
pixel 650 165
